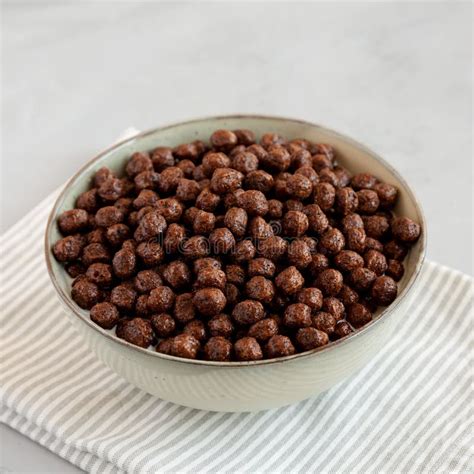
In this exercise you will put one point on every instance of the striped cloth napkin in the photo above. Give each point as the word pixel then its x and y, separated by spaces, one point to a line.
pixel 409 410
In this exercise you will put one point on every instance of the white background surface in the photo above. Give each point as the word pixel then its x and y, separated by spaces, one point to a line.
pixel 397 77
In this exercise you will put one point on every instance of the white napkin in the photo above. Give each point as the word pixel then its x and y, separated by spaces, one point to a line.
pixel 409 410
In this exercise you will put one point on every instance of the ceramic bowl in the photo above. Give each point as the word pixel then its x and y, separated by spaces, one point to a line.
pixel 239 386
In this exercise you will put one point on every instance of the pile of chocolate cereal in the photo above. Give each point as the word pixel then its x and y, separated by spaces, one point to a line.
pixel 236 251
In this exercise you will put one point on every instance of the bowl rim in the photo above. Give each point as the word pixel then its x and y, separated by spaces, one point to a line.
pixel 389 310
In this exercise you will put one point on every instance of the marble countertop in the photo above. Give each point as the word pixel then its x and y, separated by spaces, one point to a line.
pixel 395 76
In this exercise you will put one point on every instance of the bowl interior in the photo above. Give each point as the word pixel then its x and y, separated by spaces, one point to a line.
pixel 350 154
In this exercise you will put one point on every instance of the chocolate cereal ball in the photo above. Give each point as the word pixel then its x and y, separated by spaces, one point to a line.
pixel 405 229
pixel 253 202
pixel 73 221
pixel 358 315
pixel 206 262
pixel 355 239
pixel 147 197
pixel 139 162
pixel 299 254
pixel 384 290
pixel 334 306
pixel 209 301
pixel 352 221
pixel 347 201
pixel 221 241
pixel 210 277
pixel 299 186
pixel 275 209
pixel 224 139
pixel 88 201
pixel 264 329
pixel 332 241
pixel 277 159
pixel 95 253
pixel 174 238
pixel 376 226
pixel 177 274
pixel 317 220
pixel 147 280
pixel 247 348
pixel 236 220
pixel 348 295
pixel 187 189
pixel 195 247
pixel 368 201
pixel 261 267
pixel 187 167
pixel 297 315
pixel 197 329
pixel 260 288
pixel 68 249
pixel 245 137
pixel 259 229
pixel 324 195
pixel 163 324
pixel 289 281
pixel 137 331
pixel 279 346
pixel 74 269
pixel 161 299
pixel 85 293
pixel 184 310
pixel 218 349
pixel 363 181
pixel 207 201
pixel 395 250
pixel 341 330
pixel 329 282
pixel 162 157
pixel 373 244
pixel 150 253
pixel 259 180
pixel 124 263
pixel 226 180
pixel 319 262
pixel 348 260
pixel 151 225
pixel 387 195
pixel 245 162
pixel 117 234
pixel 184 345
pixel 248 312
pixel 105 315
pixel 111 189
pixel 375 261
pixel 124 297
pixel 362 278
pixel 295 223
pixel 274 248
pixel 323 321
pixel 100 274
pixel 235 274
pixel 311 297
pixel 212 161
pixel 395 269
pixel 244 251
pixel 311 338
pixel 232 294
pixel 221 325
pixel 141 306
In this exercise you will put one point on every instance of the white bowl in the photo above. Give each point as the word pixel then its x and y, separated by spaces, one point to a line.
pixel 239 386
